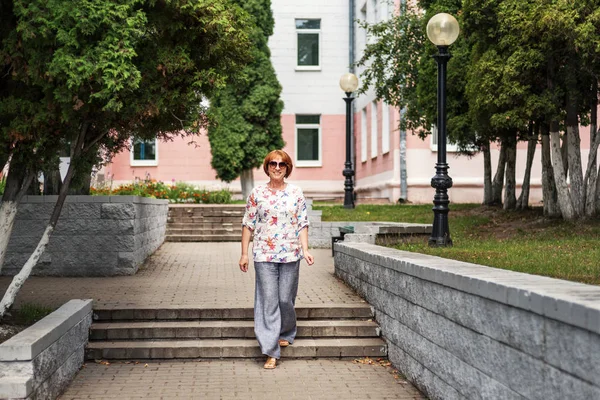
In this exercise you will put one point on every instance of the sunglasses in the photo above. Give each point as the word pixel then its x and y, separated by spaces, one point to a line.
pixel 275 164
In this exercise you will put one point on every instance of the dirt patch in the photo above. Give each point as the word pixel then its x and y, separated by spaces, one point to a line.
pixel 8 330
pixel 506 224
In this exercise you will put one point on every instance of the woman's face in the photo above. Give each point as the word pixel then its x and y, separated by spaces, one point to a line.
pixel 277 169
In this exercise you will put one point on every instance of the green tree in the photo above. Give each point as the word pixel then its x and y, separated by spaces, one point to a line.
pixel 89 75
pixel 521 70
pixel 247 114
pixel 537 64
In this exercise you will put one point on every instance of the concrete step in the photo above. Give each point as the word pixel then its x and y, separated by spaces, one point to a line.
pixel 208 215
pixel 205 231
pixel 135 330
pixel 203 238
pixel 207 207
pixel 208 211
pixel 200 219
pixel 233 348
pixel 104 313
pixel 218 225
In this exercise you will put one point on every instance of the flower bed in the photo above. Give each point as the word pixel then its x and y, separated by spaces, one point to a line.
pixel 179 192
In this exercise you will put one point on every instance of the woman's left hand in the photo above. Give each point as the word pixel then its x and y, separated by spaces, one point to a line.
pixel 310 260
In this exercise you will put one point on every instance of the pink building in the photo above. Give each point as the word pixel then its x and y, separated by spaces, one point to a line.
pixel 311 49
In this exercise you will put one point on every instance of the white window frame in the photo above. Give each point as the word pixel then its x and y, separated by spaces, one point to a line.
pixel 363 135
pixel 144 163
pixel 364 37
pixel 308 163
pixel 375 10
pixel 385 128
pixel 374 130
pixel 305 31
pixel 450 147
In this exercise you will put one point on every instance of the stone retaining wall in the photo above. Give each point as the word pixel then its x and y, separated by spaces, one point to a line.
pixel 41 361
pixel 320 233
pixel 95 235
pixel 460 330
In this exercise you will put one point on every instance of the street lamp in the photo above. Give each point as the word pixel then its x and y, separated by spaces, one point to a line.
pixel 442 30
pixel 348 83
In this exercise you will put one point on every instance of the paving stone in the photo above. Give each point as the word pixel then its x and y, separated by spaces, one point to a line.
pixel 194 276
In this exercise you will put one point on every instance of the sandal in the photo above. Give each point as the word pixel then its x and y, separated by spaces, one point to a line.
pixel 271 363
pixel 283 343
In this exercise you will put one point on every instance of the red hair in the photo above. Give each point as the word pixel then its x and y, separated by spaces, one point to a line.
pixel 284 157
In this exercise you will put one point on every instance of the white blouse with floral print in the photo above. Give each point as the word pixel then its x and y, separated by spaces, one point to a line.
pixel 276 218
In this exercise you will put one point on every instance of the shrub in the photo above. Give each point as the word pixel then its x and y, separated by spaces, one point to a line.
pixel 180 192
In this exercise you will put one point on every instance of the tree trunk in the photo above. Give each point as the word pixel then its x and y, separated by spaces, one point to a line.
pixel 510 188
pixel 52 182
pixel 498 183
pixel 21 277
pixel 80 185
pixel 84 181
pixel 550 196
pixel 247 181
pixel 591 179
pixel 564 197
pixel 564 152
pixel 18 181
pixel 523 202
pixel 34 188
pixel 487 175
pixel 597 193
pixel 574 153
pixel 3 161
pixel 591 174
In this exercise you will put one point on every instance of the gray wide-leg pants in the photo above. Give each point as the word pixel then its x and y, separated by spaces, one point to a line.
pixel 274 299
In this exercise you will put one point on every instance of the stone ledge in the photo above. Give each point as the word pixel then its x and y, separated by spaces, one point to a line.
pixel 570 302
pixel 94 199
pixel 33 340
pixel 15 386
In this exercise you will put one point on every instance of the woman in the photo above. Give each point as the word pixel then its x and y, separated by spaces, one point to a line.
pixel 276 213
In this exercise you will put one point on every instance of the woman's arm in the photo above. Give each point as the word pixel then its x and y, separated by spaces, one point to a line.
pixel 245 244
pixel 304 243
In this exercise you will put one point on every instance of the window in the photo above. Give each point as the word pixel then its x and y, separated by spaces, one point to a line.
pixel 450 147
pixel 375 11
pixel 363 135
pixel 385 128
pixel 308 35
pixel 144 153
pixel 308 140
pixel 363 32
pixel 374 129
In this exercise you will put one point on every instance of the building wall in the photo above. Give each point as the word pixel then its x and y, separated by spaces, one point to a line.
pixel 317 92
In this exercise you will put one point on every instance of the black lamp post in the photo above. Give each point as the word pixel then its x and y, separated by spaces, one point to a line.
pixel 348 83
pixel 442 30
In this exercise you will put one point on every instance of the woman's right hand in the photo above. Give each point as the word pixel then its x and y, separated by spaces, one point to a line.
pixel 244 263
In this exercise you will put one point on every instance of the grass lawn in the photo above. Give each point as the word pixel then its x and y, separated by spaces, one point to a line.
pixel 522 241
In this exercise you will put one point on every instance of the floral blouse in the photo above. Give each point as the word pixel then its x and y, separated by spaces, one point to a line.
pixel 276 218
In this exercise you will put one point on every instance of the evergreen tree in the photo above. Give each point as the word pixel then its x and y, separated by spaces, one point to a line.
pixel 247 115
pixel 89 75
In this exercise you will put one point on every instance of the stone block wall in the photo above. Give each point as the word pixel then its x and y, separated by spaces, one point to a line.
pixel 320 233
pixel 460 330
pixel 41 361
pixel 95 235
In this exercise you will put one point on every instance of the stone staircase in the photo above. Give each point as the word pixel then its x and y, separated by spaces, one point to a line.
pixel 176 333
pixel 205 223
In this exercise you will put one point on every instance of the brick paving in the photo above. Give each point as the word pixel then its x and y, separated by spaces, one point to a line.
pixel 240 379
pixel 207 275
pixel 192 274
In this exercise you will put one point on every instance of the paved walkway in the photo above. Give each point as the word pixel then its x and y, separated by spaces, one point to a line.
pixel 205 275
